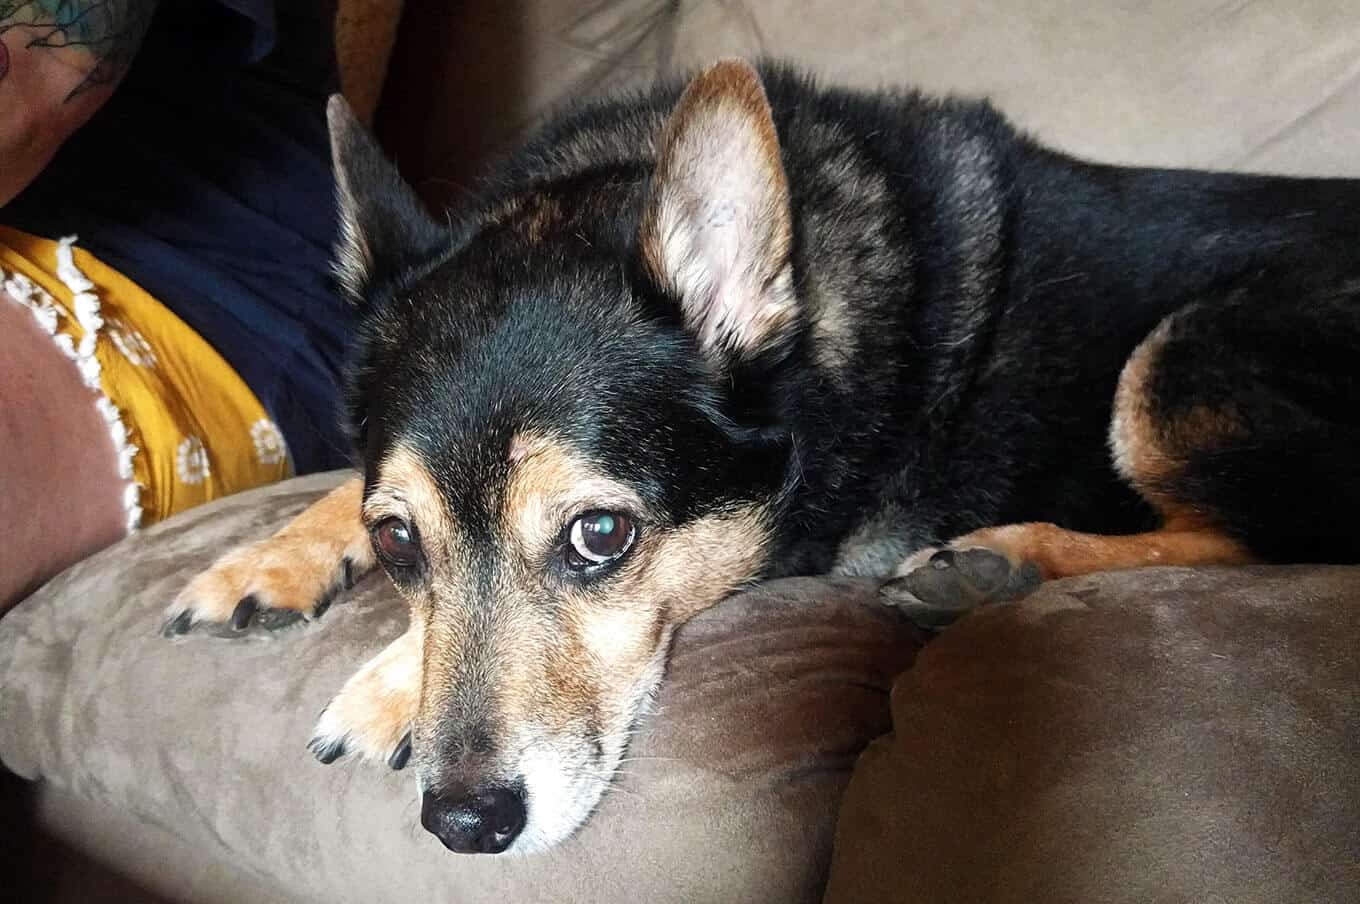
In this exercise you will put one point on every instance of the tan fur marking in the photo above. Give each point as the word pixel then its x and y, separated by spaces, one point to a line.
pixel 504 212
pixel 404 489
pixel 442 649
pixel 1133 431
pixel 1148 451
pixel 1064 553
pixel 698 565
pixel 531 216
pixel 684 570
pixel 609 643
pixel 293 569
pixel 548 484
pixel 540 219
pixel 1150 448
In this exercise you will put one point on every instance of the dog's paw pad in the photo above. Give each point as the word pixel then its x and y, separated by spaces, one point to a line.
pixel 271 619
pixel 941 585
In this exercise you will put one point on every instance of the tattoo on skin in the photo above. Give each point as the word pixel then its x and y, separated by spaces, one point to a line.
pixel 102 34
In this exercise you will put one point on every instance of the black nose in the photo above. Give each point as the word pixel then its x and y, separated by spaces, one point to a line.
pixel 468 822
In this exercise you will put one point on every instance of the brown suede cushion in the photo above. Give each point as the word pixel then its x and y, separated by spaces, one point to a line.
pixel 192 754
pixel 1157 736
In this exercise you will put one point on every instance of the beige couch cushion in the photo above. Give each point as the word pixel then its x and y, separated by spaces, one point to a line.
pixel 1270 85
pixel 184 763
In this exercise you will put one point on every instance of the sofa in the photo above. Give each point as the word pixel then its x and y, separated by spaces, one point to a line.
pixel 1162 735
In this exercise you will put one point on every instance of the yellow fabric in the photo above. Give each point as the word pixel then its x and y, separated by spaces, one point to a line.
pixel 192 430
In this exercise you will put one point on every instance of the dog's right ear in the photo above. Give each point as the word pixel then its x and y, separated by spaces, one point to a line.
pixel 717 228
pixel 384 228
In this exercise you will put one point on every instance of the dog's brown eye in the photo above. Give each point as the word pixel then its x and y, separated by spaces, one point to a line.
pixel 599 537
pixel 396 542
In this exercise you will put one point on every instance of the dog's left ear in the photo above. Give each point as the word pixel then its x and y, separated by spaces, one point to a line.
pixel 384 227
pixel 717 229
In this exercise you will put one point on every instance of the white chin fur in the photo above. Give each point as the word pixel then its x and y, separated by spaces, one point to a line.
pixel 563 787
pixel 560 797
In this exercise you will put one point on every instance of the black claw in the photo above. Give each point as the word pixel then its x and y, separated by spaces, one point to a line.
pixel 178 625
pixel 347 580
pixel 403 753
pixel 274 619
pixel 243 613
pixel 326 753
pixel 322 605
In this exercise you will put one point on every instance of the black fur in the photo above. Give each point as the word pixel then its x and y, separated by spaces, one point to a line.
pixel 994 288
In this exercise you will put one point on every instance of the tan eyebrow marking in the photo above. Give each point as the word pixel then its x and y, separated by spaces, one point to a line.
pixel 405 489
pixel 548 483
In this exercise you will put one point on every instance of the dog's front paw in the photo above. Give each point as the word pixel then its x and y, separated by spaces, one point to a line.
pixel 291 577
pixel 372 714
pixel 935 586
pixel 267 585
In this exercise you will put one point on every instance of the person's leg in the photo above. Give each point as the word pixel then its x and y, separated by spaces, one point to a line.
pixel 60 494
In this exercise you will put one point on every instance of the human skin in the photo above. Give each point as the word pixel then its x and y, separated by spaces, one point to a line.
pixel 60 60
pixel 60 494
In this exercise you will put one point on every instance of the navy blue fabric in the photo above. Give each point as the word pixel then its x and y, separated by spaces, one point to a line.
pixel 206 179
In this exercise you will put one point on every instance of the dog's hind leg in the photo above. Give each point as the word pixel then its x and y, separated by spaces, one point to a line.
pixel 372 714
pixel 1238 423
pixel 287 578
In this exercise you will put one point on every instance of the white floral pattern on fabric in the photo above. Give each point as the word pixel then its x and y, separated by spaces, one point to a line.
pixel 191 460
pixel 131 343
pixel 45 311
pixel 270 448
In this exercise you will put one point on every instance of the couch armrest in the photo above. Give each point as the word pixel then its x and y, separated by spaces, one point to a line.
pixel 1165 735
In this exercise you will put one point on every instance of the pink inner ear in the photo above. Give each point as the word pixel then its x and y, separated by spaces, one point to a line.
pixel 518 449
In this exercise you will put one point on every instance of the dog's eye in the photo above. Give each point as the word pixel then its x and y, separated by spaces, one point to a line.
pixel 597 538
pixel 395 542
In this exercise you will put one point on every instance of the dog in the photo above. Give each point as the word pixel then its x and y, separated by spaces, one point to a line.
pixel 744 326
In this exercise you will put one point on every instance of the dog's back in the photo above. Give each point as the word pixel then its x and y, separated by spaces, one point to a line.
pixel 970 298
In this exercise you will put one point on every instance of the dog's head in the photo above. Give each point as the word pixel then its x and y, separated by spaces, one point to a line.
pixel 567 448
